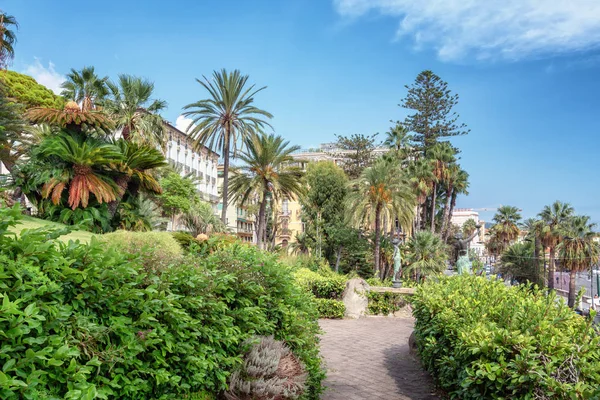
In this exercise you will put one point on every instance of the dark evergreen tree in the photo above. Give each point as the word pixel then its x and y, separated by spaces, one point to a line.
pixel 434 117
pixel 356 152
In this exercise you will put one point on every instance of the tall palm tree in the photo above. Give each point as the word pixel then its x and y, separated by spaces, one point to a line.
pixel 426 254
pixel 227 119
pixel 534 228
pixel 82 167
pixel 134 111
pixel 453 174
pixel 420 176
pixel 554 217
pixel 381 191
pixel 399 141
pixel 460 185
pixel 506 228
pixel 85 88
pixel 517 262
pixel 7 38
pixel 266 174
pixel 441 156
pixel 578 250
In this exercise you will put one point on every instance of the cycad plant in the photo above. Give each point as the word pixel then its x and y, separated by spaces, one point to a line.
pixel 227 119
pixel 578 250
pixel 381 191
pixel 267 174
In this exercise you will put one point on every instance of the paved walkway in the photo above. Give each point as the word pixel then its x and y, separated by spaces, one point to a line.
pixel 369 358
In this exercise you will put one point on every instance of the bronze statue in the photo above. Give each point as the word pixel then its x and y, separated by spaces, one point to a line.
pixel 463 264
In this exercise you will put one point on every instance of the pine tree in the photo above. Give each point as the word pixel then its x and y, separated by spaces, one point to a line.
pixel 434 117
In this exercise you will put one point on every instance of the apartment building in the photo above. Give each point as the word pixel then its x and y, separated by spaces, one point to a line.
pixel 460 216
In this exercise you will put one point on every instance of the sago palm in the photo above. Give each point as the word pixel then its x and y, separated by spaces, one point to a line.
pixel 578 250
pixel 82 167
pixel 134 110
pixel 266 173
pixel 554 217
pixel 226 119
pixel 136 168
pixel 84 87
pixel 8 24
pixel 381 191
pixel 426 254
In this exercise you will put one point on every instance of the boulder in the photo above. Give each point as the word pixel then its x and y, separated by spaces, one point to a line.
pixel 355 298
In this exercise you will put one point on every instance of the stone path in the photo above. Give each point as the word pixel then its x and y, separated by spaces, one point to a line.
pixel 369 358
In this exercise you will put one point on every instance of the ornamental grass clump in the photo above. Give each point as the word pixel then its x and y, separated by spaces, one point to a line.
pixel 483 340
pixel 270 372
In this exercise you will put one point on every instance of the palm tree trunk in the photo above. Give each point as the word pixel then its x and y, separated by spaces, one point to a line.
pixel 418 218
pixel 434 194
pixel 226 177
pixel 551 269
pixel 451 212
pixel 377 236
pixel 539 273
pixel 446 215
pixel 572 275
pixel 261 222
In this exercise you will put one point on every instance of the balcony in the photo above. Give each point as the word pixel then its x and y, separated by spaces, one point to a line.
pixel 285 232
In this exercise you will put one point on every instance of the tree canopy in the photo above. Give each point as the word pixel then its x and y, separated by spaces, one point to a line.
pixel 25 90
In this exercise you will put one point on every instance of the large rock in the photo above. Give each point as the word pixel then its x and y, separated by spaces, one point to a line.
pixel 355 298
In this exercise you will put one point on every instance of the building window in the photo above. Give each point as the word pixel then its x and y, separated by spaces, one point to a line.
pixel 284 206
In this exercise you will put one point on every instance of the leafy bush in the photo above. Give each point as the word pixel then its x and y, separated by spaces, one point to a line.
pixel 86 321
pixel 484 340
pixel 322 284
pixel 157 250
pixel 185 240
pixel 270 371
pixel 329 308
pixel 385 303
pixel 305 261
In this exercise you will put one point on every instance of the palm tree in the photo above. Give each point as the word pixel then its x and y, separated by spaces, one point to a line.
pixel 420 176
pixel 226 120
pixel 453 174
pixel 534 228
pixel 202 219
pixel 136 168
pixel 469 227
pixel 460 185
pixel 399 141
pixel 506 228
pixel 301 245
pixel 441 156
pixel 517 262
pixel 578 250
pixel 7 39
pixel 381 191
pixel 85 88
pixel 82 167
pixel 554 217
pixel 72 118
pixel 426 254
pixel 266 174
pixel 134 111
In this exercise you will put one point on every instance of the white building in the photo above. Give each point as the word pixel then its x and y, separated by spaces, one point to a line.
pixel 201 163
pixel 460 216
pixel 328 152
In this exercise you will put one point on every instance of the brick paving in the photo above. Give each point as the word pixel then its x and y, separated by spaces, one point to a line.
pixel 369 358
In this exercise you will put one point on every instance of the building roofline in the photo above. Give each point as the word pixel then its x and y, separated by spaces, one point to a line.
pixel 185 134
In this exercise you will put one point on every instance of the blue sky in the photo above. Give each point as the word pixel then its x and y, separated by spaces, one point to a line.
pixel 526 72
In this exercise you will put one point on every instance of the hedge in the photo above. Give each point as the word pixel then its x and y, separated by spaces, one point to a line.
pixel 88 321
pixel 483 340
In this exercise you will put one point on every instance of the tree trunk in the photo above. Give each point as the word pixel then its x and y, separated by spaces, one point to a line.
pixel 572 293
pixel 452 204
pixel 337 261
pixel 433 196
pixel 377 236
pixel 551 269
pixel 539 269
pixel 446 214
pixel 225 193
pixel 418 218
pixel 260 233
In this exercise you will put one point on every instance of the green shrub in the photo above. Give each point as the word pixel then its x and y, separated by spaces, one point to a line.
pixel 323 284
pixel 484 340
pixel 329 308
pixel 385 303
pixel 86 321
pixel 304 261
pixel 185 240
pixel 157 250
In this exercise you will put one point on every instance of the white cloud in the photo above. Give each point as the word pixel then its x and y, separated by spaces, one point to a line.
pixel 489 29
pixel 45 76
pixel 182 123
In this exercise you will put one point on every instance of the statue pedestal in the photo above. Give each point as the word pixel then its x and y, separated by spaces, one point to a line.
pixel 397 284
